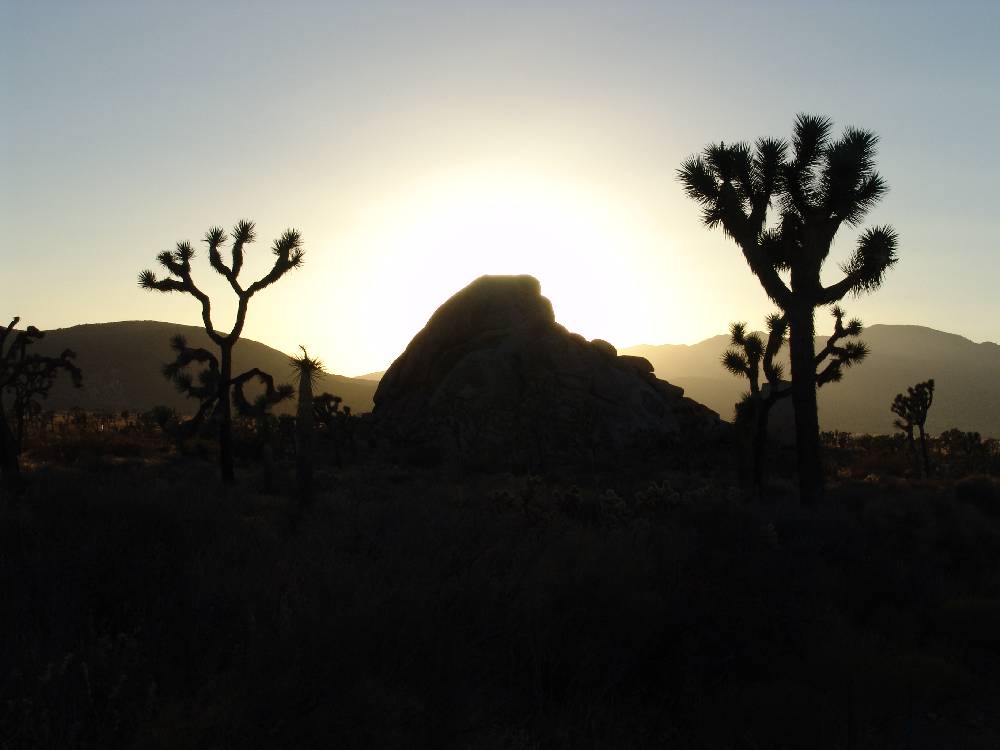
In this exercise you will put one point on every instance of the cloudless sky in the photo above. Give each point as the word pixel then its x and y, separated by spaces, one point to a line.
pixel 417 145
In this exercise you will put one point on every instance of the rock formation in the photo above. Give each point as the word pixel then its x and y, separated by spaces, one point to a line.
pixel 492 380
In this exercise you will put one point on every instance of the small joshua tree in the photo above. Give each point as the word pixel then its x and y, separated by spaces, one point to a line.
pixel 818 188
pixel 308 371
pixel 288 254
pixel 748 355
pixel 207 390
pixel 912 408
pixel 338 423
pixel 27 376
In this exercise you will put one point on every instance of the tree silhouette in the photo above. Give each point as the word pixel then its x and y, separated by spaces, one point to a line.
pixel 207 391
pixel 26 376
pixel 912 408
pixel 823 184
pixel 339 424
pixel 308 371
pixel 288 254
pixel 748 355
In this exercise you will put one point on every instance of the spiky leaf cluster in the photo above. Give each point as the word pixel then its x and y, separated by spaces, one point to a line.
pixel 287 251
pixel 749 354
pixel 912 407
pixel 817 185
pixel 307 367
pixel 838 354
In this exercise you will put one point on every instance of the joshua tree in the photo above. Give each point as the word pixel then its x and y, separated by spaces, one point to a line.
pixel 749 354
pixel 27 376
pixel 338 423
pixel 912 409
pixel 824 184
pixel 308 371
pixel 288 254
pixel 207 390
pixel 745 357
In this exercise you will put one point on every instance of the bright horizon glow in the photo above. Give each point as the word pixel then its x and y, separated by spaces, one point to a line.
pixel 417 146
pixel 437 235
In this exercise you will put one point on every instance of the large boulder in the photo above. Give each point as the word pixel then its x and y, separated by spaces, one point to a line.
pixel 492 380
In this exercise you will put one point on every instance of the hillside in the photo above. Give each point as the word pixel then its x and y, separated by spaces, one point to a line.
pixel 121 367
pixel 121 364
pixel 966 374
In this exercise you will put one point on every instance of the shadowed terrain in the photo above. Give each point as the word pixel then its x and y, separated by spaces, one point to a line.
pixel 123 363
pixel 966 374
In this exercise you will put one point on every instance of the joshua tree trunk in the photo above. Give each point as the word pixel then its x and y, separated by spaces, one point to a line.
pixel 923 451
pixel 8 455
pixel 226 414
pixel 914 455
pixel 304 423
pixel 802 351
pixel 19 410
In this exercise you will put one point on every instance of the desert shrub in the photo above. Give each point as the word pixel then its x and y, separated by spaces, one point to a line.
pixel 405 609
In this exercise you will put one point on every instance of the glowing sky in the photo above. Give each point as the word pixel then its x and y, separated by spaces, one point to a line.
pixel 417 145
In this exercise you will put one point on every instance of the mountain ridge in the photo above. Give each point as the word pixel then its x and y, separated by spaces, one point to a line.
pixel 965 373
pixel 122 360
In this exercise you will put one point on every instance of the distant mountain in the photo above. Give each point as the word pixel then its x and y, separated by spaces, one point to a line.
pixel 374 376
pixel 121 364
pixel 966 375
pixel 121 368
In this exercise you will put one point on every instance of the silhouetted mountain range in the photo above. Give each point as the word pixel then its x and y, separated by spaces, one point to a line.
pixel 121 365
pixel 966 374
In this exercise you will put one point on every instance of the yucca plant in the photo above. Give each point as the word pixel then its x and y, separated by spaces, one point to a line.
pixel 822 185
pixel 339 424
pixel 308 371
pixel 288 254
pixel 749 356
pixel 912 408
pixel 25 376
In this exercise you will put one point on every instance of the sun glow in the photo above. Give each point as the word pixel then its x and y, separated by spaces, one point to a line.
pixel 438 235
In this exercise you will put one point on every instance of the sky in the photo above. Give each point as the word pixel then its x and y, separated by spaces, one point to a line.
pixel 418 145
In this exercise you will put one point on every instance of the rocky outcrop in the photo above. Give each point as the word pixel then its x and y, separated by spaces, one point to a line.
pixel 493 380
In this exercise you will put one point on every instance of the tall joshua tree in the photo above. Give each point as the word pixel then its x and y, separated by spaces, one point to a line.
pixel 821 185
pixel 26 376
pixel 748 354
pixel 308 371
pixel 912 409
pixel 288 254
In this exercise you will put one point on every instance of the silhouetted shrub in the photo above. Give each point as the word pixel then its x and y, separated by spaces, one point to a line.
pixel 404 609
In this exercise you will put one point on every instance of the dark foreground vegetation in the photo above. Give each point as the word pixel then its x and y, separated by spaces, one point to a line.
pixel 147 605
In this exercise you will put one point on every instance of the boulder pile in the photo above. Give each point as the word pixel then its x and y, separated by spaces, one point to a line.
pixel 494 381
